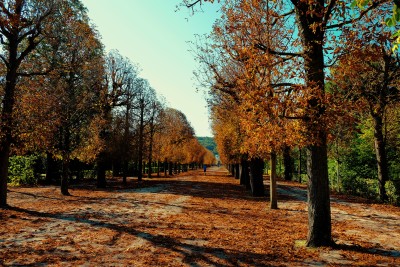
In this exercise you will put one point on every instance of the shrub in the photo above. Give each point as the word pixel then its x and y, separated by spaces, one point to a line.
pixel 393 191
pixel 23 170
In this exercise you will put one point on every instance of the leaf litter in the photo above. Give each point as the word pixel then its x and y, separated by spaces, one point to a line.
pixel 188 220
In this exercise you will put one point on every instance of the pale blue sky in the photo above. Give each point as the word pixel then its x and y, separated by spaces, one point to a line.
pixel 154 35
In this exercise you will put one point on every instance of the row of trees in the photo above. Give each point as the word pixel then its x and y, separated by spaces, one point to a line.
pixel 63 97
pixel 300 73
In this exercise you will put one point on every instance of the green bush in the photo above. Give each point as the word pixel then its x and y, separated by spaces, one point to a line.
pixel 393 191
pixel 22 170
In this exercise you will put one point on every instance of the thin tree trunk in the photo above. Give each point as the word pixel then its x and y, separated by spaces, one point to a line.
pixel 381 158
pixel 124 171
pixel 65 175
pixel 300 170
pixel 272 186
pixel 288 164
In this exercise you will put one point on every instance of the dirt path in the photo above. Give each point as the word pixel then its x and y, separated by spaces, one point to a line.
pixel 188 220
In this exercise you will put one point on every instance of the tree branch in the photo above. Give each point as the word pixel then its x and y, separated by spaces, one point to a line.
pixel 193 4
pixel 328 12
pixel 36 73
pixel 362 14
pixel 264 48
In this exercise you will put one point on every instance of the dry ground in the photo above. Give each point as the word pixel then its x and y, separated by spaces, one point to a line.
pixel 188 220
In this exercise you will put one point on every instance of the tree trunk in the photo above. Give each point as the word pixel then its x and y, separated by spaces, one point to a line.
pixel 288 164
pixel 319 213
pixel 51 169
pixel 65 176
pixel 256 177
pixel 244 174
pixel 124 171
pixel 141 139
pixel 170 168
pixel 381 158
pixel 300 170
pixel 101 170
pixel 237 175
pixel 272 186
pixel 7 120
pixel 66 147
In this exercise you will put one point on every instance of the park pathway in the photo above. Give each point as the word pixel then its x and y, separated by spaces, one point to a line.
pixel 188 220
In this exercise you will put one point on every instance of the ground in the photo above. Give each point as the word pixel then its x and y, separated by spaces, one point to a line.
pixel 188 220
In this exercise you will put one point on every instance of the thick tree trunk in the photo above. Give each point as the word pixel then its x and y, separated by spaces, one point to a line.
pixel 170 168
pixel 7 121
pixel 319 213
pixel 4 161
pixel 65 176
pixel 52 173
pixel 233 170
pixel 272 185
pixel 237 174
pixel 256 177
pixel 288 164
pixel 244 174
pixel 101 170
pixel 381 157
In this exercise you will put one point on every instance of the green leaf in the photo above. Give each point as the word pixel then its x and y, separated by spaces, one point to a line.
pixel 391 22
pixel 396 34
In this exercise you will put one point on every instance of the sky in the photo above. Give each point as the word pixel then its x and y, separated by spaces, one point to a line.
pixel 155 35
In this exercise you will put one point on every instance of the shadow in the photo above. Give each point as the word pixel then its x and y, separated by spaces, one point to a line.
pixel 191 253
pixel 370 251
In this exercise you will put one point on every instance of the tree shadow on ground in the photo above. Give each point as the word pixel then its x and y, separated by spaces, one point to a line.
pixel 191 254
pixel 366 250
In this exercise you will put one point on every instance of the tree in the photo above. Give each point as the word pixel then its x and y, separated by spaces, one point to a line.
pixel 119 77
pixel 21 30
pixel 315 21
pixel 370 74
pixel 77 81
